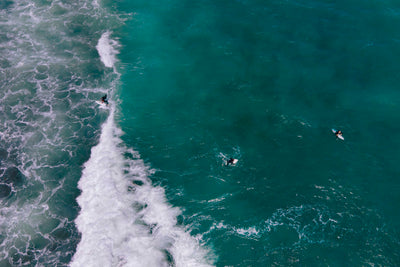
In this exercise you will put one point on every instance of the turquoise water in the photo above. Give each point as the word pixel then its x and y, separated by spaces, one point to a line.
pixel 143 182
pixel 265 83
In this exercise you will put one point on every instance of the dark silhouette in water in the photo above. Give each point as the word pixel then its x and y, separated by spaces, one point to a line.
pixel 231 161
pixel 104 99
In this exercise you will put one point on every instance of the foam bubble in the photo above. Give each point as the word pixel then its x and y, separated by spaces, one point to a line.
pixel 124 220
pixel 251 231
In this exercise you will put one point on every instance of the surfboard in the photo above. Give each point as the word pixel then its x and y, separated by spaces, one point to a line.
pixel 102 104
pixel 338 136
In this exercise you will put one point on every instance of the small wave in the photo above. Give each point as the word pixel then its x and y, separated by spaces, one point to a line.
pixel 250 232
pixel 107 49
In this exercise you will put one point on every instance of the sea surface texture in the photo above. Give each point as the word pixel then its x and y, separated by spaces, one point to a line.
pixel 144 181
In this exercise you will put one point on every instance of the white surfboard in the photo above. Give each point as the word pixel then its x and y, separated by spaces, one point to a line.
pixel 338 136
pixel 102 104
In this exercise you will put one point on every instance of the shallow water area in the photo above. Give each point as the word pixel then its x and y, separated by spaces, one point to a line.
pixel 48 125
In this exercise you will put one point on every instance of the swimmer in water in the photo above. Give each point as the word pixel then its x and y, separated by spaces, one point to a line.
pixel 338 133
pixel 231 161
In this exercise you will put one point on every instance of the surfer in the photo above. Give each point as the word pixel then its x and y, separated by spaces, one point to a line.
pixel 104 99
pixel 339 134
pixel 231 161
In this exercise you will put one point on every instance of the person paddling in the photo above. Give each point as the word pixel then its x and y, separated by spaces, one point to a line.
pixel 231 161
pixel 339 133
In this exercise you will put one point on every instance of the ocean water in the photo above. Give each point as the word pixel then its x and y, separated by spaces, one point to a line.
pixel 143 182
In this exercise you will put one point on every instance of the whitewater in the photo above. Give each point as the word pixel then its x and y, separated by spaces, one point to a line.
pixel 124 219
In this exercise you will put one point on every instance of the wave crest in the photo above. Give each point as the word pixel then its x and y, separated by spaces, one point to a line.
pixel 124 219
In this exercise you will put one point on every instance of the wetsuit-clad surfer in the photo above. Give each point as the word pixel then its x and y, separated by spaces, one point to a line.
pixel 338 133
pixel 231 161
pixel 104 99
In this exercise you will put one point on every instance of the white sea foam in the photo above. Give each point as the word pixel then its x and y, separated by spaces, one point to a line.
pixel 48 117
pixel 107 49
pixel 251 231
pixel 124 220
